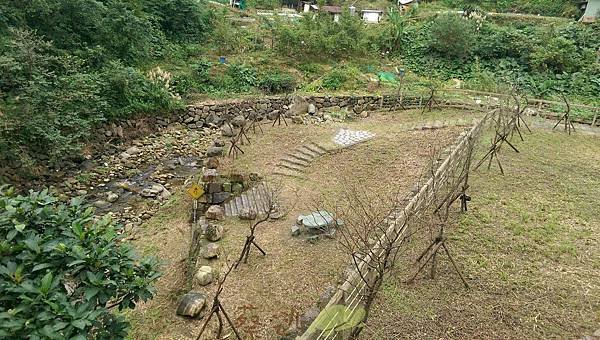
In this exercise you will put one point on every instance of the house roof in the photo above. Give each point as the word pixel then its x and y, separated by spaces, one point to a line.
pixel 406 2
pixel 332 9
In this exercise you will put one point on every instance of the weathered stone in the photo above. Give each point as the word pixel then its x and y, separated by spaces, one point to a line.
pixel 298 106
pixel 214 187
pixel 213 119
pixel 214 151
pixel 112 197
pixel 237 188
pixel 227 130
pixel 318 220
pixel 210 251
pixel 191 304
pixel 212 163
pixel 227 186
pixel 247 214
pixel 101 204
pixel 213 232
pixel 215 212
pixel 237 178
pixel 295 230
pixel 220 197
pixel 210 175
pixel 134 150
pixel 81 192
pixel 238 121
pixel 152 191
pixel 273 114
pixel 164 195
pixel 204 276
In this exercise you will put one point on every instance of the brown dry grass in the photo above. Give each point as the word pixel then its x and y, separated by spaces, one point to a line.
pixel 529 246
pixel 265 295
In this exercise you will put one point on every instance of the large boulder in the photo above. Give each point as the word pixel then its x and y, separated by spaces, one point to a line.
pixel 238 121
pixel 215 212
pixel 191 305
pixel 210 251
pixel 213 232
pixel 210 175
pixel 227 130
pixel 214 151
pixel 298 106
pixel 204 276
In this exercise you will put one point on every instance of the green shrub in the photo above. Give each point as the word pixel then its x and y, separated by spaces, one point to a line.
pixel 240 78
pixel 61 271
pixel 334 79
pixel 452 36
pixel 129 92
pixel 277 82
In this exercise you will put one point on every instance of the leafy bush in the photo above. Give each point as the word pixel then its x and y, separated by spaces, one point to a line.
pixel 61 270
pixel 277 82
pixel 129 92
pixel 239 78
pixel 334 79
pixel 556 55
pixel 322 38
pixel 48 107
pixel 181 20
pixel 452 36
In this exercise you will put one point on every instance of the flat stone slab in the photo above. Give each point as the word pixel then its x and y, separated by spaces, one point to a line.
pixel 317 220
pixel 346 137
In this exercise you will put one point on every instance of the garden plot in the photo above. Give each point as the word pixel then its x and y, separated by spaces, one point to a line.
pixel 266 295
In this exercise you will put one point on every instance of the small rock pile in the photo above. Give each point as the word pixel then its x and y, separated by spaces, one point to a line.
pixel 219 188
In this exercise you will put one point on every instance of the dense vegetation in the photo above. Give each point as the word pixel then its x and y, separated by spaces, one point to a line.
pixel 61 271
pixel 68 66
pixel 565 8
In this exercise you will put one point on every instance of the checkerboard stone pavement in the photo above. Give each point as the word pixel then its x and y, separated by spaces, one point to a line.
pixel 346 137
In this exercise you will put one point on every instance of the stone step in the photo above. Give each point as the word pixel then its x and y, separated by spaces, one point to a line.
pixel 238 204
pixel 303 151
pixel 245 203
pixel 316 148
pixel 299 155
pixel 306 150
pixel 291 166
pixel 257 203
pixel 252 199
pixel 264 198
pixel 288 173
pixel 255 198
pixel 296 161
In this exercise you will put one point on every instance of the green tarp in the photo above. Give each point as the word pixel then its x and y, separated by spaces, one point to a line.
pixel 387 77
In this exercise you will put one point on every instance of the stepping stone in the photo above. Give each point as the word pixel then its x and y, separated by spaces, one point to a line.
pixel 294 160
pixel 316 148
pixel 292 167
pixel 301 156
